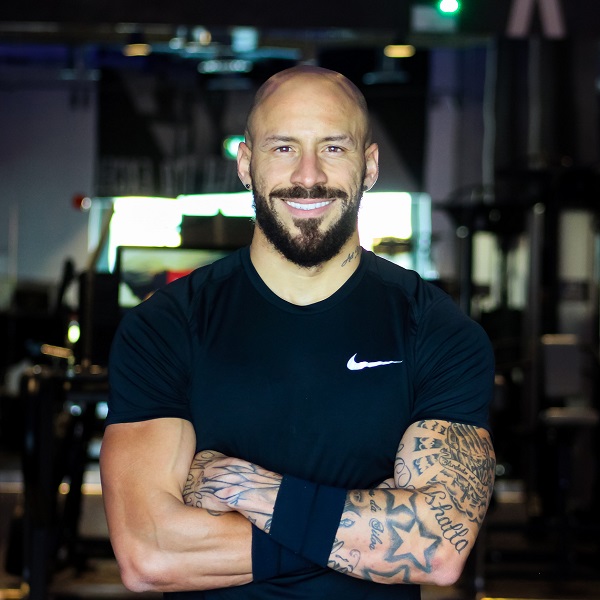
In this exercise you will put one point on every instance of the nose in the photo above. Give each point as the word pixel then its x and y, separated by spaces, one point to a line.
pixel 308 171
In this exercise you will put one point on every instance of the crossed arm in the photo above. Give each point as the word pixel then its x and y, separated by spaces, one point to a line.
pixel 419 528
pixel 160 543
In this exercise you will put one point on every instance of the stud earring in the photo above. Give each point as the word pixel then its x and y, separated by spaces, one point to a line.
pixel 247 186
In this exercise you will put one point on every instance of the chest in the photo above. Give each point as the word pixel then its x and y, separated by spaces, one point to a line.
pixel 322 396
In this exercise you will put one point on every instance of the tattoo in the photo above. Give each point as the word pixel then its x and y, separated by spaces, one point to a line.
pixel 425 443
pixel 452 532
pixel 221 485
pixel 401 471
pixel 421 464
pixel 192 496
pixel 399 533
pixel 432 426
pixel 376 531
pixel 462 466
pixel 354 254
pixel 443 478
pixel 339 561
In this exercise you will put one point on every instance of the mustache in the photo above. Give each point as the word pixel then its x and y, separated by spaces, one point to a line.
pixel 317 191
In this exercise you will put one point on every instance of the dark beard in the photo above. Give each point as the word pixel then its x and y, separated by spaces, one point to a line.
pixel 311 247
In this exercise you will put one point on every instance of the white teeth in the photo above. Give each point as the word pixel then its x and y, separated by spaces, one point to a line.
pixel 308 206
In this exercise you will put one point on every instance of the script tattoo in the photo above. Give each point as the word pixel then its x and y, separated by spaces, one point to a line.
pixel 456 466
pixel 354 254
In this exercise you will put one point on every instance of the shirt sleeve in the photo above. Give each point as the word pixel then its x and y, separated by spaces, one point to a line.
pixel 454 366
pixel 150 363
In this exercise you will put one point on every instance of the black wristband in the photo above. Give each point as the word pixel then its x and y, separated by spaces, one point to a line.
pixel 306 518
pixel 270 559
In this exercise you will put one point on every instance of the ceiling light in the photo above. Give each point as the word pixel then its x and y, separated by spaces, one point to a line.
pixel 399 51
pixel 137 45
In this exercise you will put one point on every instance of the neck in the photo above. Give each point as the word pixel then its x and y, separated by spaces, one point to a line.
pixel 301 285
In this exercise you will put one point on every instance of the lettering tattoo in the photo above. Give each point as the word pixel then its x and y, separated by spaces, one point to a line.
pixel 456 465
pixel 376 531
pixel 354 254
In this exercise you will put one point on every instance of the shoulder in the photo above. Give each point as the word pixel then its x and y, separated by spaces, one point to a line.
pixel 409 285
pixel 171 312
pixel 434 316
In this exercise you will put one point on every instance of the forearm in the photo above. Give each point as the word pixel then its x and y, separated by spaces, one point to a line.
pixel 419 532
pixel 188 549
pixel 383 535
pixel 401 536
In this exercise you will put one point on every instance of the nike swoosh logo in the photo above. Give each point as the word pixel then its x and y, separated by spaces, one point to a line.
pixel 357 366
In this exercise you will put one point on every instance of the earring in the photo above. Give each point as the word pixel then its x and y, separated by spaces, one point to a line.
pixel 247 186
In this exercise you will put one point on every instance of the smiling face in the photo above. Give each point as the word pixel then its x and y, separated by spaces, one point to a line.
pixel 308 158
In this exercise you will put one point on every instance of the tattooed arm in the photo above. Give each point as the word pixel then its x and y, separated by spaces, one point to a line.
pixel 421 531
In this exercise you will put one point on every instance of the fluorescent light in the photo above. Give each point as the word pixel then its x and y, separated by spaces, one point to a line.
pixel 399 51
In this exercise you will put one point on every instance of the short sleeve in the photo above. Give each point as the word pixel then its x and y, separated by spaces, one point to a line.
pixel 149 363
pixel 454 376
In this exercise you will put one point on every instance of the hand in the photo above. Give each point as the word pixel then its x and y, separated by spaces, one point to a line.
pixel 219 483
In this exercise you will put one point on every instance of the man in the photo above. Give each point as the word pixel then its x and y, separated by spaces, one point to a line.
pixel 332 405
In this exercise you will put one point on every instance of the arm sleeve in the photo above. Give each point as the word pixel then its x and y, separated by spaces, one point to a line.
pixel 150 363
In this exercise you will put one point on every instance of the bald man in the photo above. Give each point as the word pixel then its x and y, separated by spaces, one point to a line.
pixel 301 419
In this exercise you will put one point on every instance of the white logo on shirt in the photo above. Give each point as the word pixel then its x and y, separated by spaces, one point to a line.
pixel 357 366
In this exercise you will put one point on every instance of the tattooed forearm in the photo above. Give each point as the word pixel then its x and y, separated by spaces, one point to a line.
pixel 219 484
pixel 422 531
pixel 417 527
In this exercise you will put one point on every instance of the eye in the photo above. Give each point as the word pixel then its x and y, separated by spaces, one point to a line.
pixel 333 149
pixel 283 149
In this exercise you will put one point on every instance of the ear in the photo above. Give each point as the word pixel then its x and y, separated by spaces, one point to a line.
pixel 243 163
pixel 371 166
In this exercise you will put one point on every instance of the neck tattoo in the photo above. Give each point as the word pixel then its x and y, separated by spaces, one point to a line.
pixel 354 254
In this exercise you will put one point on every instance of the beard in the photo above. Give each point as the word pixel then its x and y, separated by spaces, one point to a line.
pixel 311 247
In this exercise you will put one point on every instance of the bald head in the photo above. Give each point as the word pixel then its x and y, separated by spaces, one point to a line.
pixel 298 78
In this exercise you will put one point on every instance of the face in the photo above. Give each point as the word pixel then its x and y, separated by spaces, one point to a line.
pixel 308 164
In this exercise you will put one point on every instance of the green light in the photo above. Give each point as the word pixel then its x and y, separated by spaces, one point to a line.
pixel 73 332
pixel 449 6
pixel 230 146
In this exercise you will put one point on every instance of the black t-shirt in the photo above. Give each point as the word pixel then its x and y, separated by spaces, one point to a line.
pixel 323 392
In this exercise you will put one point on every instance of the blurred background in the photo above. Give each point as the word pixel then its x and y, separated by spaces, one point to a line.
pixel 119 125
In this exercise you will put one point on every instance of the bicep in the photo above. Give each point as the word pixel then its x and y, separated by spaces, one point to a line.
pixel 452 463
pixel 157 449
pixel 143 466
